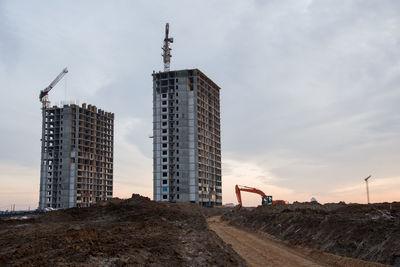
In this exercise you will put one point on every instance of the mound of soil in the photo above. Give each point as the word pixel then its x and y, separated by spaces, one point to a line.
pixel 135 231
pixel 367 232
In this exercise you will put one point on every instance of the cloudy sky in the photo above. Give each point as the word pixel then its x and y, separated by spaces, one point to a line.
pixel 310 100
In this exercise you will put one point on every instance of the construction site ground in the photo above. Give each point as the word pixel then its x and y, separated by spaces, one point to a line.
pixel 132 232
pixel 260 249
pixel 140 232
pixel 365 232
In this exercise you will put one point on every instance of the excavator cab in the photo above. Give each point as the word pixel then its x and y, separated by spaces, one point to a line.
pixel 266 200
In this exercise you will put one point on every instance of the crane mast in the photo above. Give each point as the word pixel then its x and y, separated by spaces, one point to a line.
pixel 167 49
pixel 43 94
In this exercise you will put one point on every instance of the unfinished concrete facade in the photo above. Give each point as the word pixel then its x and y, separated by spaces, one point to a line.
pixel 77 156
pixel 186 138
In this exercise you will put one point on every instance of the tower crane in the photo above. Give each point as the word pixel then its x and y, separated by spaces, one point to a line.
pixel 167 49
pixel 43 93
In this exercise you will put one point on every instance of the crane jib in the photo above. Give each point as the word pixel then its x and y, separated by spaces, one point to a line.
pixel 46 91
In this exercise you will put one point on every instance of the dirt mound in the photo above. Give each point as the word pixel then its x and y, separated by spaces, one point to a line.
pixel 118 232
pixel 367 232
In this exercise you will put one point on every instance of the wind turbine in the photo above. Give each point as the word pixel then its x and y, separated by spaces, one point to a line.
pixel 366 182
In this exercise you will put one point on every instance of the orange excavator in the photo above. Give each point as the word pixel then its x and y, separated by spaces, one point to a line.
pixel 265 200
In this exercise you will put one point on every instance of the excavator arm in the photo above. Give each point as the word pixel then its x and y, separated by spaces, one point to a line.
pixel 238 195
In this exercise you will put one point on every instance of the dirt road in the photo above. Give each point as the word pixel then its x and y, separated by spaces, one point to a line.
pixel 263 250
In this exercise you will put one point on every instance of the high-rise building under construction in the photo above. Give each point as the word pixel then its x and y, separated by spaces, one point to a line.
pixel 77 156
pixel 186 138
pixel 186 135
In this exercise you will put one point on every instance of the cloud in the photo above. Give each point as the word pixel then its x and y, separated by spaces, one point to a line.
pixel 309 97
pixel 19 185
pixel 132 169
pixel 247 173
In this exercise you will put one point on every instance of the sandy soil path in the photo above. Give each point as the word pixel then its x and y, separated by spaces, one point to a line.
pixel 263 250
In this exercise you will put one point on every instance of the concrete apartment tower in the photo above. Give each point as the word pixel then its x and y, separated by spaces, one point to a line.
pixel 186 135
pixel 187 138
pixel 77 156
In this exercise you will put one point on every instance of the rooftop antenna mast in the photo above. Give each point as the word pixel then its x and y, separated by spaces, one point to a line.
pixel 167 49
